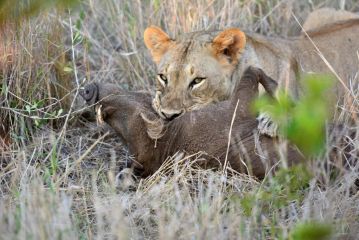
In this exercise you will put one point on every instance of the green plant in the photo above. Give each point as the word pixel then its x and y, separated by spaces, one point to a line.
pixel 311 231
pixel 286 186
pixel 302 121
pixel 16 10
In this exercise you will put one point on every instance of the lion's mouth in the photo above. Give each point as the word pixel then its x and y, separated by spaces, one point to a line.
pixel 172 116
pixel 160 114
pixel 169 116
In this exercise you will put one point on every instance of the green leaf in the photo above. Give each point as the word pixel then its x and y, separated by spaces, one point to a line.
pixel 311 231
pixel 68 69
pixel 247 204
pixel 77 38
pixel 59 112
pixel 54 160
pixel 28 108
pixel 302 121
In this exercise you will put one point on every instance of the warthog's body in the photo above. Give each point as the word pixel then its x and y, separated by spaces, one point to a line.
pixel 204 130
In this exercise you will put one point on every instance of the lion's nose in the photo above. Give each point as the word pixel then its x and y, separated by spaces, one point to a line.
pixel 170 115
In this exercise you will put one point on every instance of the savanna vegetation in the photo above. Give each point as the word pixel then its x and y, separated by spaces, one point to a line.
pixel 59 170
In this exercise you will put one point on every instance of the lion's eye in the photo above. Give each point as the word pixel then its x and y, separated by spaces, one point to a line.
pixel 162 79
pixel 196 82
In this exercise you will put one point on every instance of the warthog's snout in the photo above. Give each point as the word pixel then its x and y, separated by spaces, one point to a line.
pixel 90 93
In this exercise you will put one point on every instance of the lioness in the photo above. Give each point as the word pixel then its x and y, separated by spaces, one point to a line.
pixel 199 68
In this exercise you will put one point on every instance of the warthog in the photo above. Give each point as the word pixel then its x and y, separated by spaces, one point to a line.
pixel 131 115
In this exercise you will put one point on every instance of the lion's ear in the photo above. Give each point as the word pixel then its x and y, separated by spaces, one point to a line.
pixel 229 43
pixel 157 41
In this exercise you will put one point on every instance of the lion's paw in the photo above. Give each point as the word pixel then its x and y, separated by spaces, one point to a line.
pixel 266 126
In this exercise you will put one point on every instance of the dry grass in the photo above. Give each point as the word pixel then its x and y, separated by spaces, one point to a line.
pixel 58 178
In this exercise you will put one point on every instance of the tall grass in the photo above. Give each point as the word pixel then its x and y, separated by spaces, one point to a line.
pixel 61 182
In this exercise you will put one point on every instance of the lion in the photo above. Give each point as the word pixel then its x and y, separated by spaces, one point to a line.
pixel 200 68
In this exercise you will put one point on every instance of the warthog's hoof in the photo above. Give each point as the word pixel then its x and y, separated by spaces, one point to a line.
pixel 125 180
pixel 266 126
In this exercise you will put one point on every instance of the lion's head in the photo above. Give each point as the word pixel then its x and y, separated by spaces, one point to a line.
pixel 193 70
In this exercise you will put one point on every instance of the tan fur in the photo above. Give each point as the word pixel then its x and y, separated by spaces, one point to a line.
pixel 158 41
pixel 338 43
pixel 282 59
pixel 232 40
pixel 324 16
